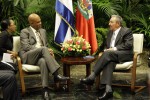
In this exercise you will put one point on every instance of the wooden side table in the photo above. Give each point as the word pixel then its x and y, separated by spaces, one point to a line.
pixel 68 61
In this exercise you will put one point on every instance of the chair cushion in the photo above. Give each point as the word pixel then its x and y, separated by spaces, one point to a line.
pixel 30 68
pixel 124 66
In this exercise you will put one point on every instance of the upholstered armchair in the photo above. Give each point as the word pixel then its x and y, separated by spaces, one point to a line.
pixel 24 69
pixel 130 67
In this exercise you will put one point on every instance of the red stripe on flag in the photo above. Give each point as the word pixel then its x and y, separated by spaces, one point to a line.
pixel 87 29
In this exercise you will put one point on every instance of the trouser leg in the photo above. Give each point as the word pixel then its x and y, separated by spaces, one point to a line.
pixel 107 73
pixel 9 85
pixel 44 72
pixel 105 59
pixel 34 55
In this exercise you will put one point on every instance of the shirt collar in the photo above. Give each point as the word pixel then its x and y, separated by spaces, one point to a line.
pixel 117 31
pixel 33 29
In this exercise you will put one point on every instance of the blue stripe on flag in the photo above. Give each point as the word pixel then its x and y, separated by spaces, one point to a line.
pixel 61 33
pixel 66 22
pixel 64 12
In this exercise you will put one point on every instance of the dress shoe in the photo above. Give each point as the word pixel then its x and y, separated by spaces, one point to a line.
pixel 60 78
pixel 102 87
pixel 106 96
pixel 87 81
pixel 46 96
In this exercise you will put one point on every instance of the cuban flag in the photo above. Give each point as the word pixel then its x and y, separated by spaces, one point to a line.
pixel 64 22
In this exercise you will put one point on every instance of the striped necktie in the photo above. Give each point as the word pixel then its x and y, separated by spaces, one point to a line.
pixel 39 37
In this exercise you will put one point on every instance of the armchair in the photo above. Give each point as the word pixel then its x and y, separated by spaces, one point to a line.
pixel 130 67
pixel 24 69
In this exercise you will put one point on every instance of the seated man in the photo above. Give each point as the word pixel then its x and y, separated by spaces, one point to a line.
pixel 119 48
pixel 35 51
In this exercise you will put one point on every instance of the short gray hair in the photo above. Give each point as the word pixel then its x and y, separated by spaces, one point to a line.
pixel 118 18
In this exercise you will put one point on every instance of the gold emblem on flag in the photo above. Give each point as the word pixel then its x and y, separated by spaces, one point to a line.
pixel 85 7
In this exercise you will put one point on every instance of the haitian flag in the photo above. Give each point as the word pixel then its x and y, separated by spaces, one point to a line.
pixel 64 22
pixel 85 23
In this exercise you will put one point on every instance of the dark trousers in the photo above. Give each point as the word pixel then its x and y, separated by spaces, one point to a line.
pixel 9 86
pixel 107 63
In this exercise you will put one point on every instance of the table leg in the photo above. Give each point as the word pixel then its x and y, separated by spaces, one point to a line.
pixel 97 83
pixel 88 72
pixel 64 69
pixel 66 72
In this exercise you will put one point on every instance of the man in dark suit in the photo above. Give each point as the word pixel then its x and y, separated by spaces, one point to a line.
pixel 35 51
pixel 119 48
pixel 8 83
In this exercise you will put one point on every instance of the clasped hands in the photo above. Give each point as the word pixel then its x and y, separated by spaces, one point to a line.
pixel 51 51
pixel 109 49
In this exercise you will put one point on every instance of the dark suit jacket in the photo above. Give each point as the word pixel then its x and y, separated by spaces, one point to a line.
pixel 124 39
pixel 123 43
pixel 6 42
pixel 28 41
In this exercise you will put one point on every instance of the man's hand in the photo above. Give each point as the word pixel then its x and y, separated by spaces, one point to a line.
pixel 100 54
pixel 111 49
pixel 51 52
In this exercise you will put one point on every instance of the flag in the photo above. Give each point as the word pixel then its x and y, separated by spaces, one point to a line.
pixel 85 23
pixel 64 22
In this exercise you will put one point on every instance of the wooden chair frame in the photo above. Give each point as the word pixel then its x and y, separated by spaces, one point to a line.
pixel 23 73
pixel 134 88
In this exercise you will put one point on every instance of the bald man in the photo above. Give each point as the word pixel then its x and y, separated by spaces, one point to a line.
pixel 35 51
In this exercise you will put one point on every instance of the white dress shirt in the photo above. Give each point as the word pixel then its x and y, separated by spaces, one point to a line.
pixel 37 36
pixel 113 38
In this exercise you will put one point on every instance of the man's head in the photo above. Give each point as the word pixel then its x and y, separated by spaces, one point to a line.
pixel 115 22
pixel 35 21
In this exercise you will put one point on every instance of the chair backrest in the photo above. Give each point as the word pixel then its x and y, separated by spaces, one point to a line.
pixel 16 43
pixel 138 42
pixel 25 67
pixel 138 47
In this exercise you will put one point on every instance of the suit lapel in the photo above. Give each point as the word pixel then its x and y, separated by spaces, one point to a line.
pixel 33 36
pixel 119 36
pixel 31 33
pixel 109 38
pixel 42 37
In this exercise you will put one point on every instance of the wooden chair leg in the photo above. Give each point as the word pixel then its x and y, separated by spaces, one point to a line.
pixel 21 74
pixel 97 83
pixel 22 84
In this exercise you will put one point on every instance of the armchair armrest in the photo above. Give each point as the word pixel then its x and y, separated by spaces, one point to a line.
pixel 135 61
pixel 19 63
pixel 21 73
